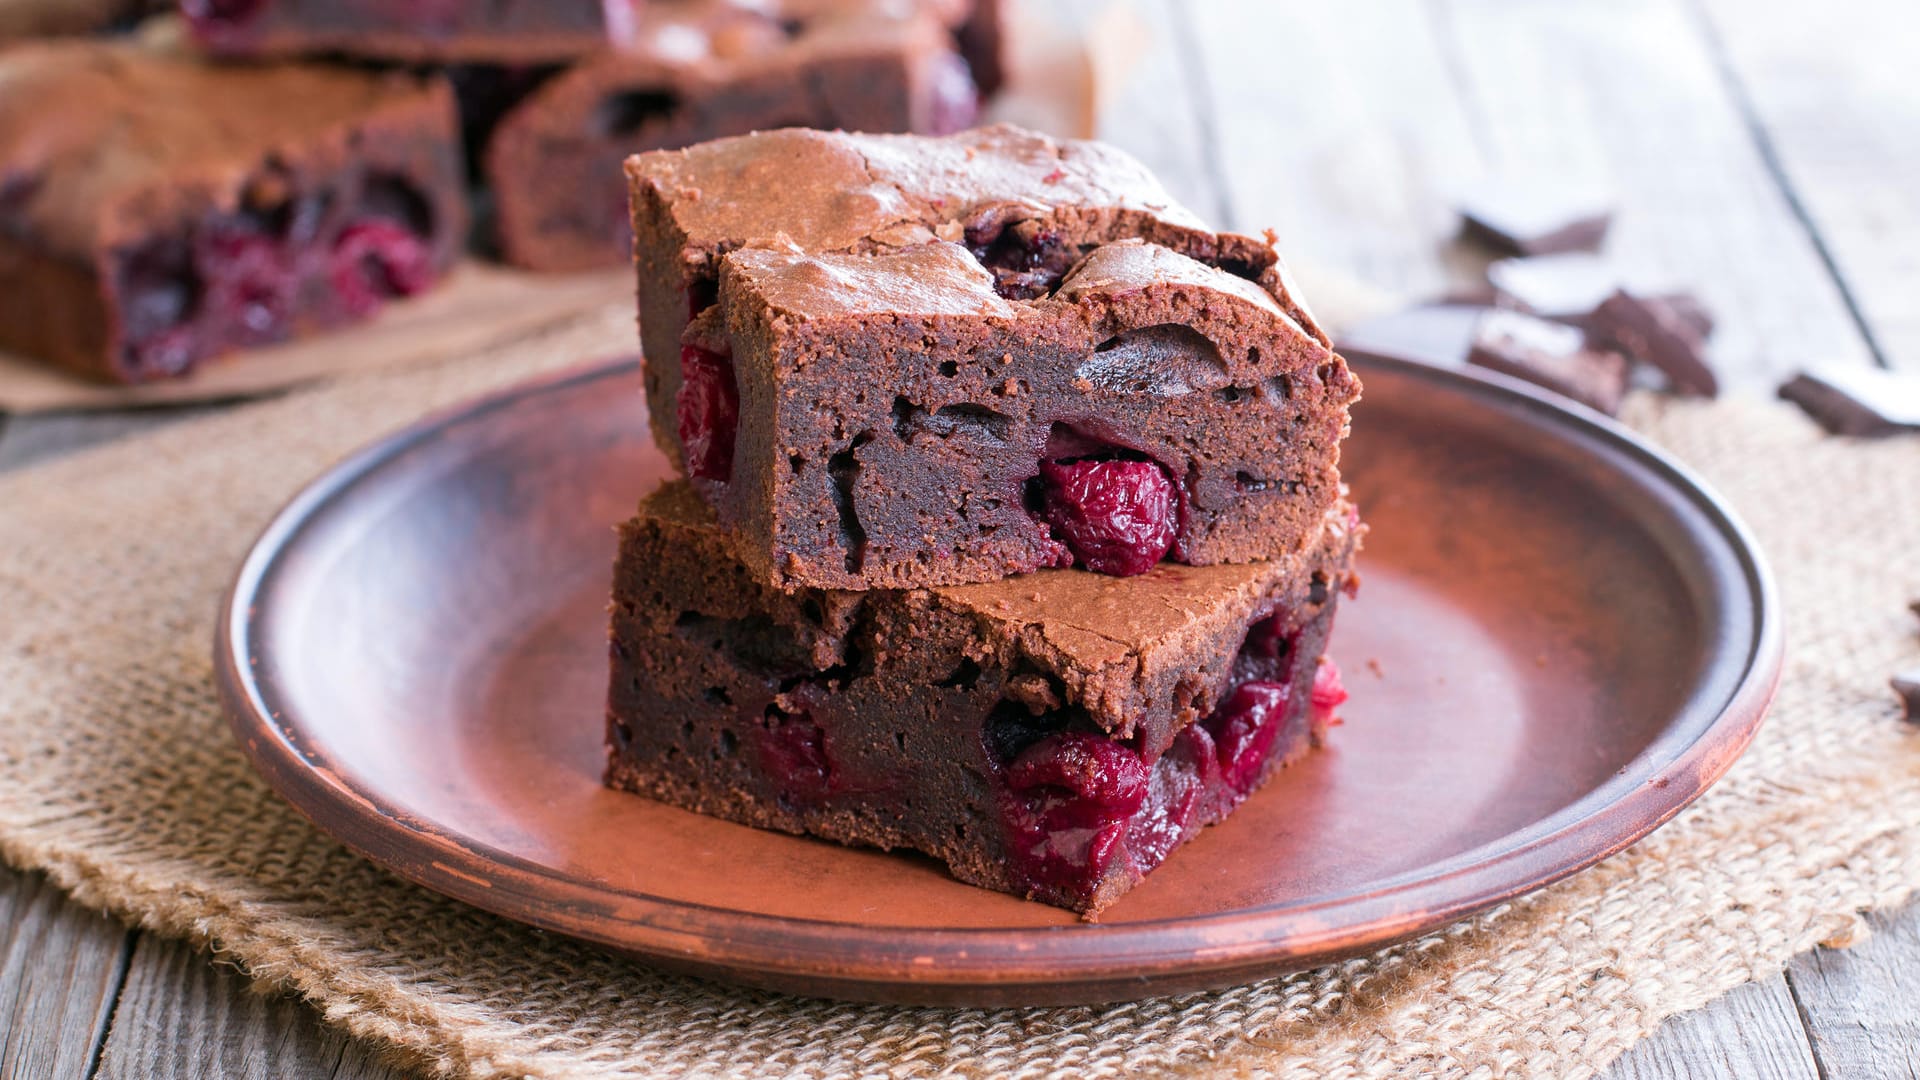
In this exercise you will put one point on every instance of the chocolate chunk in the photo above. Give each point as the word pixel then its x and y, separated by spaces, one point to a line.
pixel 1655 333
pixel 1907 685
pixel 1537 216
pixel 1569 287
pixel 1564 287
pixel 1857 401
pixel 1551 355
pixel 1689 309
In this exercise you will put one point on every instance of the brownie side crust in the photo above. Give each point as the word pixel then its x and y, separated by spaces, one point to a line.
pixel 981 724
pixel 701 70
pixel 896 414
pixel 155 210
pixel 1029 205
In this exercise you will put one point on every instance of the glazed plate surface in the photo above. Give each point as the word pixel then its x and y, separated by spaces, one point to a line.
pixel 1560 640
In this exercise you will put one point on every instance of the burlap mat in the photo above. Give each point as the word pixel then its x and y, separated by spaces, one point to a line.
pixel 118 778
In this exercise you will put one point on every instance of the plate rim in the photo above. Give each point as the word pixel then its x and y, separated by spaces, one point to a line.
pixel 1272 939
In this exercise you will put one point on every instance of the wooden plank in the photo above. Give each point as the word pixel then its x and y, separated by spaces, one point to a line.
pixel 27 439
pixel 60 969
pixel 183 1016
pixel 1862 1005
pixel 1339 126
pixel 1628 94
pixel 1753 1033
pixel 1833 97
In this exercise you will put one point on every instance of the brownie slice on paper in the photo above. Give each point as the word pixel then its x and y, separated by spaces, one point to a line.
pixel 157 211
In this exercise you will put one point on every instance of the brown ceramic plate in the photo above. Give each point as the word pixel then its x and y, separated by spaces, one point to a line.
pixel 1561 640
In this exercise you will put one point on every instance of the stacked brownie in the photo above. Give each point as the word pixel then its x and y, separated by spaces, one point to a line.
pixel 286 166
pixel 1011 528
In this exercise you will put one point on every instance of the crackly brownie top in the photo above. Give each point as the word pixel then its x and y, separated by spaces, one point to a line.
pixel 91 131
pixel 944 279
pixel 823 192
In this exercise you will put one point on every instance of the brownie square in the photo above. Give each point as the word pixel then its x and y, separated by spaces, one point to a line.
pixel 1053 736
pixel 950 360
pixel 701 70
pixel 499 31
pixel 156 210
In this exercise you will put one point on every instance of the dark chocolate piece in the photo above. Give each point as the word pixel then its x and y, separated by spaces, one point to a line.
pixel 1552 355
pixel 1907 685
pixel 869 405
pixel 700 70
pixel 1857 401
pixel 157 210
pixel 1054 735
pixel 1569 287
pixel 1537 216
pixel 1655 333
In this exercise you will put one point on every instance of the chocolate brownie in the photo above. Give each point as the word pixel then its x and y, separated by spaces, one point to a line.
pixel 702 69
pixel 23 19
pixel 1088 376
pixel 156 210
pixel 1054 735
pixel 502 31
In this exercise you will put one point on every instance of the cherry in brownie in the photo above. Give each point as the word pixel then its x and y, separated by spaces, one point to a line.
pixel 503 31
pixel 1053 736
pixel 698 70
pixel 947 364
pixel 156 211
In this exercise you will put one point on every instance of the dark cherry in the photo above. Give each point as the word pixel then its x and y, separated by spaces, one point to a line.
pixel 168 352
pixel 707 411
pixel 955 100
pixel 1328 692
pixel 1244 729
pixel 793 750
pixel 1118 516
pixel 1266 639
pixel 251 283
pixel 376 259
pixel 1089 769
pixel 221 11
pixel 1026 260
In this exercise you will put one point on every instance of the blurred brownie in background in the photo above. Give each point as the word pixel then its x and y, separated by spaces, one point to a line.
pixel 501 31
pixel 21 20
pixel 697 71
pixel 156 211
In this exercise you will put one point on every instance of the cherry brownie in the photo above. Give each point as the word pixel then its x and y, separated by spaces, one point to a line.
pixel 504 31
pixel 156 211
pixel 1054 735
pixel 701 69
pixel 923 361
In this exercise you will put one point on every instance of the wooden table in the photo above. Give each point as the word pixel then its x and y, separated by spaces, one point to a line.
pixel 1768 155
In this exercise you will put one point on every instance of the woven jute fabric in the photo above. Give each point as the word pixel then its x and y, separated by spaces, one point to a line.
pixel 119 779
